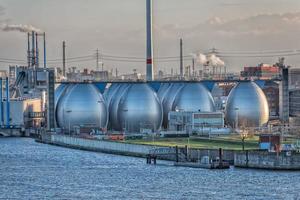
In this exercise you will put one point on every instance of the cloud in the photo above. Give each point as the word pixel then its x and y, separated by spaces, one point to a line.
pixel 2 10
pixel 258 25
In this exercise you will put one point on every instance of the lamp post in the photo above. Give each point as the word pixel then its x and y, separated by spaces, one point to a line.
pixel 244 136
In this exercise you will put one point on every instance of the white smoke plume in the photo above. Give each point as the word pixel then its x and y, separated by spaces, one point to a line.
pixel 20 27
pixel 215 61
pixel 210 59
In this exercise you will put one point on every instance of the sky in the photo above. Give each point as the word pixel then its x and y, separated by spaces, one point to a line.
pixel 117 28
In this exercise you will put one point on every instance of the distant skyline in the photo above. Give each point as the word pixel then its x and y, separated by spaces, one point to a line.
pixel 117 27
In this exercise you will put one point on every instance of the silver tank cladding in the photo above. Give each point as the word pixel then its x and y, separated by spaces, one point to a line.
pixel 247 105
pixel 81 105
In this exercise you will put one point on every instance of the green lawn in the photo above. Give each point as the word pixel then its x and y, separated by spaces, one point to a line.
pixel 234 143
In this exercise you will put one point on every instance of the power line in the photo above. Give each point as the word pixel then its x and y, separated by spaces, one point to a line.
pixel 133 59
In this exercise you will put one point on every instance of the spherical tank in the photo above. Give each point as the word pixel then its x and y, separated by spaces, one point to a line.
pixel 194 97
pixel 82 105
pixel 140 108
pixel 168 100
pixel 114 105
pixel 247 105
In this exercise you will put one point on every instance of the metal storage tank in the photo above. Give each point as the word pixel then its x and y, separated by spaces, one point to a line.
pixel 114 105
pixel 59 91
pixel 194 97
pixel 163 90
pixel 110 92
pixel 247 105
pixel 82 105
pixel 140 108
pixel 168 100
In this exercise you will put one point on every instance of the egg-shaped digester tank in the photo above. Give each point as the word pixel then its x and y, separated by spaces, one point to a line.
pixel 139 108
pixel 81 105
pixel 168 100
pixel 110 92
pixel 161 93
pixel 59 91
pixel 194 97
pixel 247 106
pixel 113 107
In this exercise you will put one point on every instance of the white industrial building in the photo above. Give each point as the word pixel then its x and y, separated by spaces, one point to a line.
pixel 196 122
pixel 22 113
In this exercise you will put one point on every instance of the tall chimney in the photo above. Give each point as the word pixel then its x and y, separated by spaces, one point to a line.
pixel 149 69
pixel 33 50
pixel 36 51
pixel 193 66
pixel 64 58
pixel 181 59
pixel 45 61
pixel 7 103
pixel 28 50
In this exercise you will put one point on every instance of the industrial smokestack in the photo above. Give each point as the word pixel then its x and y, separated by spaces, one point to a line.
pixel 28 49
pixel 33 50
pixel 36 51
pixel 193 66
pixel 64 58
pixel 149 69
pixel 7 103
pixel 45 63
pixel 181 59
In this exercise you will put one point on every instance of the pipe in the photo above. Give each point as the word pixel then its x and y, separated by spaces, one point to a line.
pixel 149 68
pixel 36 51
pixel 1 99
pixel 7 104
pixel 181 59
pixel 45 63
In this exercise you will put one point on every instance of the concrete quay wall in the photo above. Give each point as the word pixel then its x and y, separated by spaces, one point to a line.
pixel 128 149
pixel 267 160
pixel 100 146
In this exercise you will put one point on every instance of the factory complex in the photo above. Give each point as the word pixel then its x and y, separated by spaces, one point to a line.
pixel 38 98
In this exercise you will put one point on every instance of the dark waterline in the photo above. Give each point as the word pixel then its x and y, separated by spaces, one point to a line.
pixel 30 170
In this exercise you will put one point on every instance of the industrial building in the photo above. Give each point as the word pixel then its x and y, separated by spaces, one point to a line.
pixel 294 78
pixel 143 106
pixel 271 90
pixel 195 122
pixel 262 71
pixel 23 113
pixel 294 107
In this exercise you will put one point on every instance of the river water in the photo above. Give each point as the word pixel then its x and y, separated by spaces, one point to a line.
pixel 29 170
